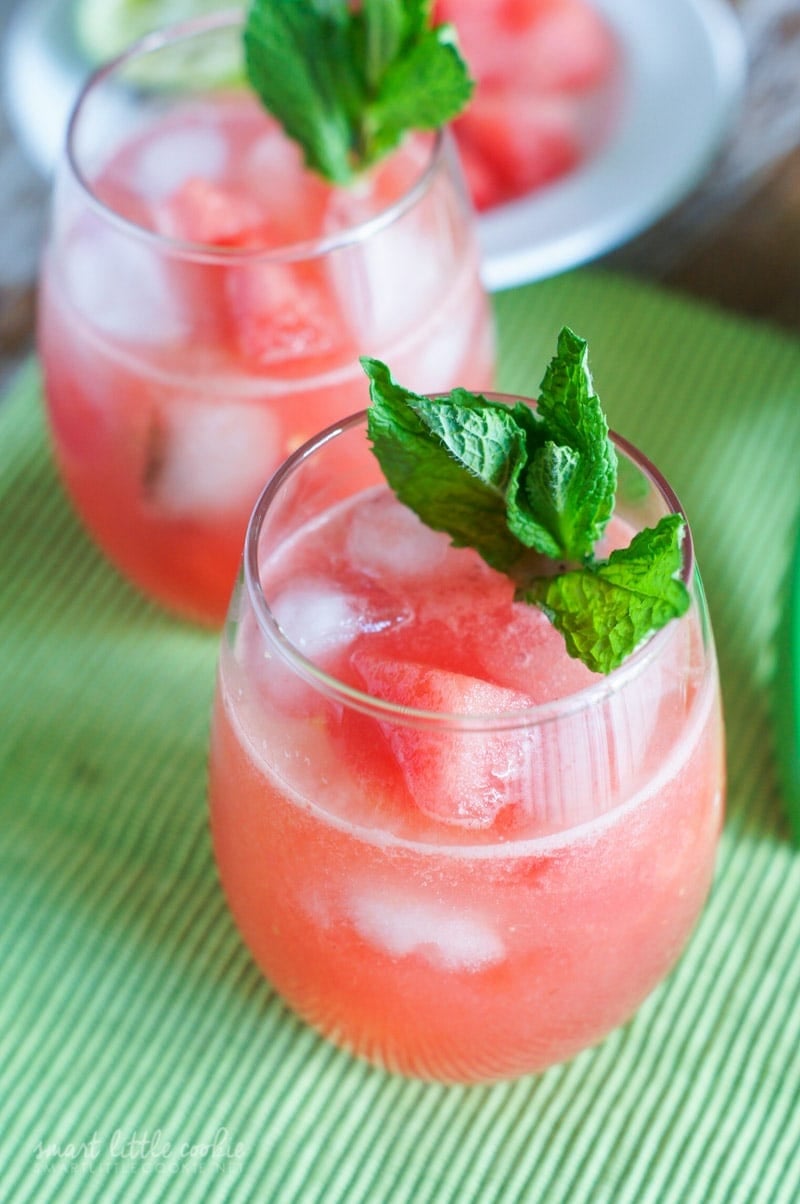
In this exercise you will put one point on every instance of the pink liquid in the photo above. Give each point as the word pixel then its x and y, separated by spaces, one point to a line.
pixel 463 905
pixel 183 365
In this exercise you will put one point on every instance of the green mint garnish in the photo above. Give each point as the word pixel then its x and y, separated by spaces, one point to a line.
pixel 606 608
pixel 532 492
pixel 347 82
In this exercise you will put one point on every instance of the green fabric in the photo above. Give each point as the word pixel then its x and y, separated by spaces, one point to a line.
pixel 130 1010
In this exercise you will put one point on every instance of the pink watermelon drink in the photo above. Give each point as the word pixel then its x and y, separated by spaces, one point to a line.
pixel 205 296
pixel 450 846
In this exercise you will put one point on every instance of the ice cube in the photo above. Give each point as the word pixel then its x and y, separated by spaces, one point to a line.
pixel 455 345
pixel 389 282
pixel 271 690
pixel 319 618
pixel 272 155
pixel 385 536
pixel 168 159
pixel 401 924
pixel 273 171
pixel 209 459
pixel 282 314
pixel 121 287
pixel 316 617
pixel 208 213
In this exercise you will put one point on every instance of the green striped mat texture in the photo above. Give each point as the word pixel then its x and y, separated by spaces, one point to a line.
pixel 143 1057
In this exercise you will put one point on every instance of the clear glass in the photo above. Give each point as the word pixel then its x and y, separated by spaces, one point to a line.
pixel 205 299
pixel 450 848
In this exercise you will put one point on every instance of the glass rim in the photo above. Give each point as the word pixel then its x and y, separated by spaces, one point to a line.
pixel 526 717
pixel 291 252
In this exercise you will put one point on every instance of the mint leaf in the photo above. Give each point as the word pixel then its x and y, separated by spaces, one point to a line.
pixel 347 82
pixel 298 61
pixel 422 89
pixel 388 24
pixel 520 486
pixel 450 463
pixel 604 611
pixel 572 481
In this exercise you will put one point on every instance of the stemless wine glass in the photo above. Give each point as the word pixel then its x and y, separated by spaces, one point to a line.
pixel 451 848
pixel 204 300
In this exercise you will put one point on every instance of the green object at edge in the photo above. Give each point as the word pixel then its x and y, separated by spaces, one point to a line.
pixel 786 696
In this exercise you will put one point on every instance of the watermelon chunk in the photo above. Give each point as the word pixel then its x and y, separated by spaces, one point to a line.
pixel 543 99
pixel 554 45
pixel 524 140
pixel 212 214
pixel 282 313
pixel 569 48
pixel 463 778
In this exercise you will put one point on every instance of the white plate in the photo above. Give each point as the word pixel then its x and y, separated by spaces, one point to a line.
pixel 683 64
pixel 684 67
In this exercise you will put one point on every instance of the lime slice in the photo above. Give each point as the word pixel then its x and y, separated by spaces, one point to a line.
pixel 103 28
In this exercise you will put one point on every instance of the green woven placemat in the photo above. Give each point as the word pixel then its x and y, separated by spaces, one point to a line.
pixel 141 1054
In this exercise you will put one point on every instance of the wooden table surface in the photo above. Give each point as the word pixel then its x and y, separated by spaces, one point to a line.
pixel 734 240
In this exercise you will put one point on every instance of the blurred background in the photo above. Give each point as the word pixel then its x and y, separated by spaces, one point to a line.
pixel 733 240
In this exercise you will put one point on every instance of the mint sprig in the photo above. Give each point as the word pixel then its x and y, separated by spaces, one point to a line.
pixel 533 491
pixel 347 82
